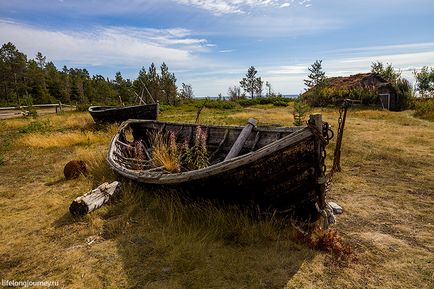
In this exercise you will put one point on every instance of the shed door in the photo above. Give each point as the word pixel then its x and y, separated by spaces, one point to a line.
pixel 385 100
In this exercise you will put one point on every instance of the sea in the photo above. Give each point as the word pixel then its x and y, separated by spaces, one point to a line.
pixel 227 97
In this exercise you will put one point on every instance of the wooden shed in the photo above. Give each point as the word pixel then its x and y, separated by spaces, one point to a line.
pixel 387 94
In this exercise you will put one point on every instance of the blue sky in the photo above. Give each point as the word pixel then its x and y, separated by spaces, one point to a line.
pixel 211 43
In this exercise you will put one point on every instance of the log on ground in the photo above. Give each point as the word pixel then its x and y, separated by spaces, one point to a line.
pixel 94 199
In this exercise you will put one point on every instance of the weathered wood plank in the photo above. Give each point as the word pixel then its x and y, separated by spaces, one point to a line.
pixel 239 143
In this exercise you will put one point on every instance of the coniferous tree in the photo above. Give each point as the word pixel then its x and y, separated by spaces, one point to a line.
pixel 55 84
pixel 35 76
pixel 39 81
pixel 123 88
pixel 252 84
pixel 317 75
pixel 154 82
pixel 168 84
pixel 12 73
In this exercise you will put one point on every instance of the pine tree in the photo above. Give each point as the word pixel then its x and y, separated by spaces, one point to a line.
pixel 168 84
pixel 12 72
pixel 317 77
pixel 252 84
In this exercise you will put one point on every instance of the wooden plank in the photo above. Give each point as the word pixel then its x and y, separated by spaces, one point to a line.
pixel 239 143
pixel 220 145
pixel 258 134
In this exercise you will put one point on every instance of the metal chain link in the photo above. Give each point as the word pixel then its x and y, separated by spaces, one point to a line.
pixel 342 109
pixel 324 136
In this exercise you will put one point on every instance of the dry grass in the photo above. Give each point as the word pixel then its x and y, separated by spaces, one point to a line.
pixel 64 139
pixel 165 153
pixel 153 240
pixel 266 115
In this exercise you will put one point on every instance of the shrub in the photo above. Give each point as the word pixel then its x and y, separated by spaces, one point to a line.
pixel 82 106
pixel 330 241
pixel 424 108
pixel 280 103
pixel 276 101
pixel 404 93
pixel 299 112
pixel 221 104
pixel 37 126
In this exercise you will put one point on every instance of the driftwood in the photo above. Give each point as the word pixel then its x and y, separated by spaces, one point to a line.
pixel 93 199
pixel 239 143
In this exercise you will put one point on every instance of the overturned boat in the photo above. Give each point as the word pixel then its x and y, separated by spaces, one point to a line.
pixel 110 114
pixel 279 168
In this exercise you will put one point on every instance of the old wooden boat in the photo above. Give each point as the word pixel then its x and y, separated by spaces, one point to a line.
pixel 109 114
pixel 277 167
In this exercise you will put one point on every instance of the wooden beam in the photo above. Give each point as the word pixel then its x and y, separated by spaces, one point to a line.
pixel 239 143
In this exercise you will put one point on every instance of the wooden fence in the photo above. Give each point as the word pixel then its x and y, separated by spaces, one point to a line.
pixel 23 110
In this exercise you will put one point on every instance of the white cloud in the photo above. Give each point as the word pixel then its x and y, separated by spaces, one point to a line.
pixel 220 7
pixel 286 70
pixel 122 46
pixel 289 78
pixel 226 50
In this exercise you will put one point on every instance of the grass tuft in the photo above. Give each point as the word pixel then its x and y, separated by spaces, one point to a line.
pixel 165 152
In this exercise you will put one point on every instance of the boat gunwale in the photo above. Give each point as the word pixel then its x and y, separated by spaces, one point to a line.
pixel 116 108
pixel 299 134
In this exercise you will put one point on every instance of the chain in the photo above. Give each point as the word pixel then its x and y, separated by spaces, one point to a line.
pixel 324 136
pixel 337 153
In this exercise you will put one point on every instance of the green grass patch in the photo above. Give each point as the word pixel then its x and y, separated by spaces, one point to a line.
pixel 37 126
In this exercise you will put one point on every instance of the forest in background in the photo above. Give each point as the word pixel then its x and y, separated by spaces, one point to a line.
pixel 26 81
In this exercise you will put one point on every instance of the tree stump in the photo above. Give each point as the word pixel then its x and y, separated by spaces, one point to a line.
pixel 74 169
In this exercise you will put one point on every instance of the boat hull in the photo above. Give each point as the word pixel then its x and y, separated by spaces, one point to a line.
pixel 111 114
pixel 281 175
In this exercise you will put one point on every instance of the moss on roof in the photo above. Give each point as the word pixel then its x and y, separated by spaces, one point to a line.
pixel 357 81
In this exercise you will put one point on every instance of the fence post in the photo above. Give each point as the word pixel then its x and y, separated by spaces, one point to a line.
pixel 316 120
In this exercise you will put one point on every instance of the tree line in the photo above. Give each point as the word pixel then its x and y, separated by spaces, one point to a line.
pixel 26 81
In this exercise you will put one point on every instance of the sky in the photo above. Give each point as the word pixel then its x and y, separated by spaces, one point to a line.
pixel 210 44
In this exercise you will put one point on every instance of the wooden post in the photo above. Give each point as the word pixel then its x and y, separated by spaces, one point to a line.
pixel 337 154
pixel 239 143
pixel 316 119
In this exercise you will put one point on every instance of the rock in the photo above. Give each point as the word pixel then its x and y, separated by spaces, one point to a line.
pixel 336 208
pixel 74 169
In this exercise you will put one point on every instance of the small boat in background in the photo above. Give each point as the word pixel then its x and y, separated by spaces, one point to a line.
pixel 275 167
pixel 110 114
